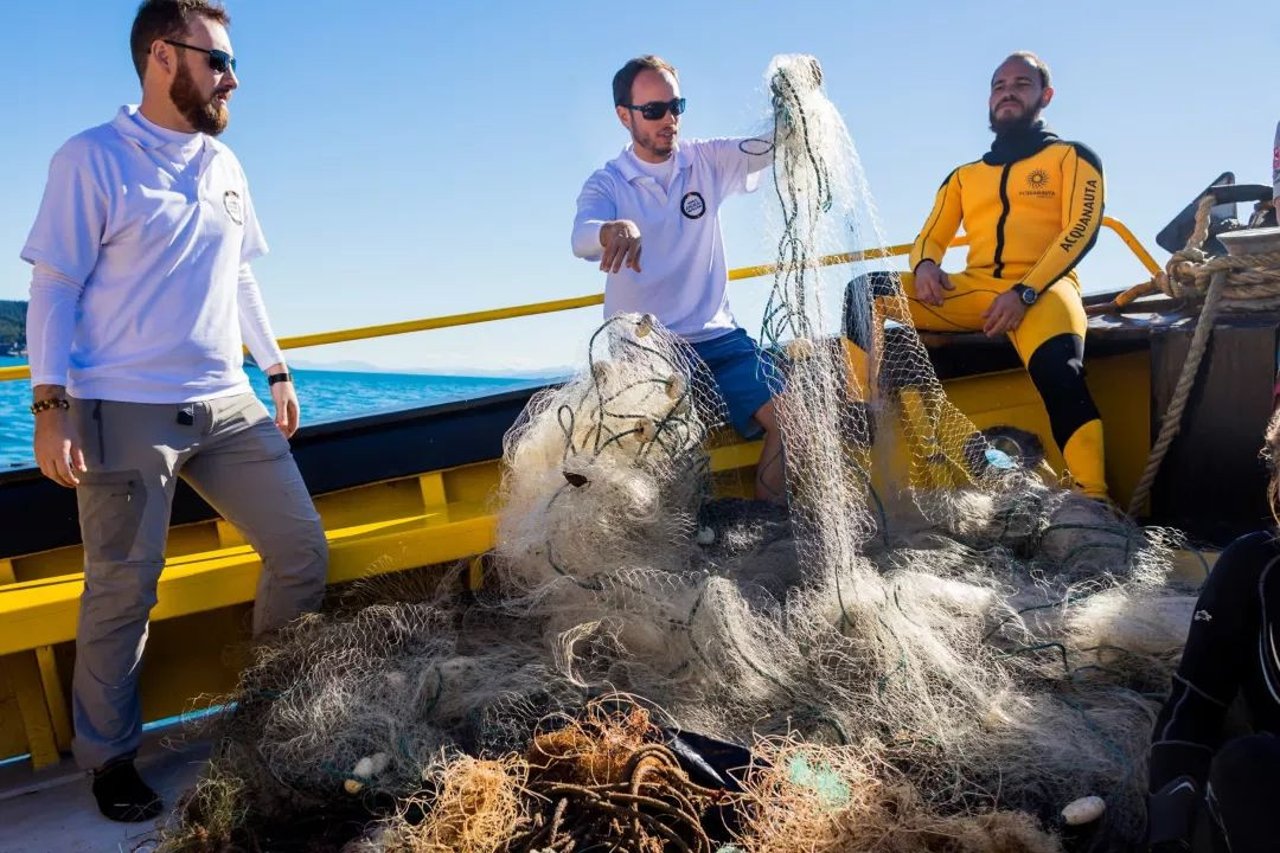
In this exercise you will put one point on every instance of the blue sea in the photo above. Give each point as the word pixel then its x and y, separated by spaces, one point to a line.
pixel 325 395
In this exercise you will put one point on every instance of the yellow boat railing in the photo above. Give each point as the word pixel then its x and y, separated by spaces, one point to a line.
pixel 8 374
pixel 429 518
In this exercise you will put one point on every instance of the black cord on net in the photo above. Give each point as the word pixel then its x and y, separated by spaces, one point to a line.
pixel 845 620
pixel 567 417
pixel 792 252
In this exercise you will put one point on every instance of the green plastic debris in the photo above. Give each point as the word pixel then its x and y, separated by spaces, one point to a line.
pixel 831 789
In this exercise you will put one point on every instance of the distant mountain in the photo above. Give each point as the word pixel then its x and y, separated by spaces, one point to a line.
pixel 13 326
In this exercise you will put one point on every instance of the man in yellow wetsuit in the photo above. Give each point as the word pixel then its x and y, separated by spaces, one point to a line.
pixel 1032 207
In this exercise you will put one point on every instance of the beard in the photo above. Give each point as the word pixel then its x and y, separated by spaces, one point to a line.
pixel 205 116
pixel 1012 124
pixel 654 143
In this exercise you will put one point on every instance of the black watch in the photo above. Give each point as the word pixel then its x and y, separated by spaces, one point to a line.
pixel 1027 294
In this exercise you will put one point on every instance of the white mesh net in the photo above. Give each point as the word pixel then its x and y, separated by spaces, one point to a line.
pixel 991 642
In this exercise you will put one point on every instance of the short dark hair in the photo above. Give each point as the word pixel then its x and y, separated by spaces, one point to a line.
pixel 1035 62
pixel 626 76
pixel 168 19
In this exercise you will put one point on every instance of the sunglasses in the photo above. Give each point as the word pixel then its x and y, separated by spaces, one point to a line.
pixel 655 110
pixel 219 60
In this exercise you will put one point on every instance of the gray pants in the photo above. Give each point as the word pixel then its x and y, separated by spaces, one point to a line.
pixel 230 451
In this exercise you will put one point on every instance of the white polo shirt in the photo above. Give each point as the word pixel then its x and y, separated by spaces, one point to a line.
pixel 684 277
pixel 142 243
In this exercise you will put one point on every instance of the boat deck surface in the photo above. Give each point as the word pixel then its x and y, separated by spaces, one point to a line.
pixel 52 810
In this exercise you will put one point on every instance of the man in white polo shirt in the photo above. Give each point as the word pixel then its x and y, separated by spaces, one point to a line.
pixel 141 299
pixel 664 195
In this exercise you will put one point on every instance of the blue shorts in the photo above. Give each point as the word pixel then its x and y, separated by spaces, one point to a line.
pixel 742 374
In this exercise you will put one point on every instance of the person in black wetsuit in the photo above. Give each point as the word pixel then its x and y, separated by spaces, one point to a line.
pixel 1210 791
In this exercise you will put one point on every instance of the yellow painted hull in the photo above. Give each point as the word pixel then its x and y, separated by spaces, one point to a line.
pixel 434 517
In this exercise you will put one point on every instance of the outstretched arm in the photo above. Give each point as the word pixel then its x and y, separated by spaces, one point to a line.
pixel 598 235
pixel 596 208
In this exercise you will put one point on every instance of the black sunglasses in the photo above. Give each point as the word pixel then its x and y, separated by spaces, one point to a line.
pixel 219 60
pixel 655 110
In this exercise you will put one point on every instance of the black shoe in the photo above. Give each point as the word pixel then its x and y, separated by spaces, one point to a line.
pixel 121 793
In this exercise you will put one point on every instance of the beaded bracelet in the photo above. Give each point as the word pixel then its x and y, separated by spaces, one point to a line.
pixel 51 403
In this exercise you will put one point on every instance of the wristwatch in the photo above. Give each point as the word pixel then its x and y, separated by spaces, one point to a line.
pixel 1027 294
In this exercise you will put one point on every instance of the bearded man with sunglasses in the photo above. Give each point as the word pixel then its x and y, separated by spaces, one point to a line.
pixel 142 298
pixel 651 217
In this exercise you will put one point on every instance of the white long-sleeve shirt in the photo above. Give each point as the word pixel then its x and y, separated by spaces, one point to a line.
pixel 684 275
pixel 142 289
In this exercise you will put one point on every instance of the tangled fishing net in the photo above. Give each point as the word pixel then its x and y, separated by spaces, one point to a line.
pixel 928 648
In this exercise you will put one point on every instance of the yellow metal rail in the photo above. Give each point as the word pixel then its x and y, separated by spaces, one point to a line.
pixel 448 321
pixel 431 518
pixel 1135 246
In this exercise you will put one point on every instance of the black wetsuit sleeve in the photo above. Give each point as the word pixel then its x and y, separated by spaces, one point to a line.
pixel 1221 643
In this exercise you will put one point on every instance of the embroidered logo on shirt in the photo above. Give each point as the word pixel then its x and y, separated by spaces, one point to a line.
pixel 1038 183
pixel 231 201
pixel 693 205
pixel 1202 616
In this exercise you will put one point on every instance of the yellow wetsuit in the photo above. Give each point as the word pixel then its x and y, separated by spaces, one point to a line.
pixel 1032 207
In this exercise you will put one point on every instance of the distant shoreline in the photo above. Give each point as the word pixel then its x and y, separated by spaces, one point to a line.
pixel 347 367
pixel 328 396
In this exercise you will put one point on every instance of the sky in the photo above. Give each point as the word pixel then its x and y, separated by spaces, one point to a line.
pixel 412 158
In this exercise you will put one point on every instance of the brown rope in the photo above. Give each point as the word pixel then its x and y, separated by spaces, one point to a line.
pixel 654 806
pixel 1182 276
pixel 1249 279
pixel 1252 283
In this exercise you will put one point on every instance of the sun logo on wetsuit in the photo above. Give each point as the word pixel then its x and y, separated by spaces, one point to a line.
pixel 1037 179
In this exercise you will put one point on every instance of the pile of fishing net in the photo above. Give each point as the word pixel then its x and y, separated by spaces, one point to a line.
pixel 611 782
pixel 929 647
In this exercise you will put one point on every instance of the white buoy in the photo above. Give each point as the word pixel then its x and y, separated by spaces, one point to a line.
pixel 1082 811
pixel 706 536
pixel 602 371
pixel 365 769
pixel 800 348
pixel 675 387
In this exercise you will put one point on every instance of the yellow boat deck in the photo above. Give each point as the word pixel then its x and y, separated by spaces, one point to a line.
pixel 198 638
